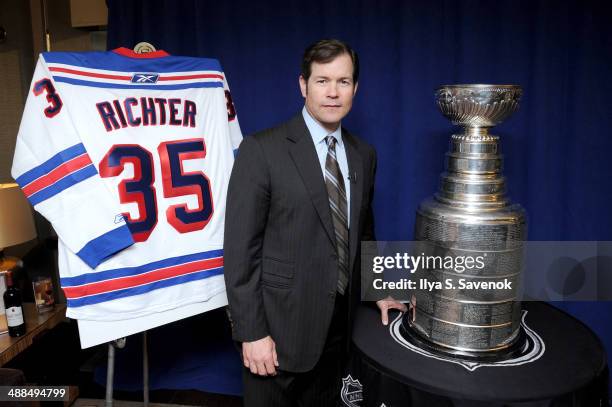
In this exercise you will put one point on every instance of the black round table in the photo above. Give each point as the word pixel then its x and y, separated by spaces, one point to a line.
pixel 571 370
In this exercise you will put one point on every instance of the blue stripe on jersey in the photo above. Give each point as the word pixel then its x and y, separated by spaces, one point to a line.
pixel 132 271
pixel 104 246
pixel 62 184
pixel 143 289
pixel 130 86
pixel 112 61
pixel 51 164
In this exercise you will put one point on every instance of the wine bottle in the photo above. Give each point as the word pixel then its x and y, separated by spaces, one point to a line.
pixel 14 310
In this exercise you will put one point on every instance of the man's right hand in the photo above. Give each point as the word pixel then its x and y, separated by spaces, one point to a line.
pixel 260 356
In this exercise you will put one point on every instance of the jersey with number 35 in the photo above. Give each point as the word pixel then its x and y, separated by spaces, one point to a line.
pixel 129 156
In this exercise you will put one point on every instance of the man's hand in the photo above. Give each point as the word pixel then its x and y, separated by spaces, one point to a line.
pixel 260 356
pixel 385 305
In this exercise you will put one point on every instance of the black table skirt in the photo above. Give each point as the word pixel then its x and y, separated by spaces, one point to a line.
pixel 572 371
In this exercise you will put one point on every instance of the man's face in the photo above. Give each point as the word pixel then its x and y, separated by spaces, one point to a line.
pixel 329 91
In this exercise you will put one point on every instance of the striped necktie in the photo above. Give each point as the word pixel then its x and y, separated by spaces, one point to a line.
pixel 337 203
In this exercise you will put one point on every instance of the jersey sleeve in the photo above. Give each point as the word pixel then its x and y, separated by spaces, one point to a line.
pixel 232 117
pixel 56 173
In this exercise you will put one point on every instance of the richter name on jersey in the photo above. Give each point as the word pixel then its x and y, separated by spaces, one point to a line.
pixel 145 111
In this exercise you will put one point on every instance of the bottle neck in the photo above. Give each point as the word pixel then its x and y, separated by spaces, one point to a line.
pixel 9 279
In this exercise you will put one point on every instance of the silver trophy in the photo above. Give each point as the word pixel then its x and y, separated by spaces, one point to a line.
pixel 471 215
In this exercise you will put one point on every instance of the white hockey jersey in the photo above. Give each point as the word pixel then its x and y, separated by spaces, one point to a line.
pixel 128 156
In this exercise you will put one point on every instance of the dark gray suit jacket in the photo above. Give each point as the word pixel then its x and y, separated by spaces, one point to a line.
pixel 281 267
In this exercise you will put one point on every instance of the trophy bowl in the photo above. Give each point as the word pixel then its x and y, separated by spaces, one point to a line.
pixel 478 106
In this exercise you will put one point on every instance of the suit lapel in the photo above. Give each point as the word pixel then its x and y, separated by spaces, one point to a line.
pixel 355 165
pixel 305 157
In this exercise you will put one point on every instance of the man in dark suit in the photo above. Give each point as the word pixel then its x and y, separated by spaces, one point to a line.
pixel 299 203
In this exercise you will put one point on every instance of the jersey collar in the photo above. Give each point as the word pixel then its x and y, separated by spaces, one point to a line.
pixel 126 52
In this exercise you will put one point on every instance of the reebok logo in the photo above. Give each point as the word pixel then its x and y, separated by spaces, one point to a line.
pixel 145 78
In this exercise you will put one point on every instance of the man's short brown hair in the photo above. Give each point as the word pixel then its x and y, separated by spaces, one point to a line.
pixel 325 51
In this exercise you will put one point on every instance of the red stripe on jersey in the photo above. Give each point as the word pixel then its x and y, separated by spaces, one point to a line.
pixel 127 78
pixel 58 173
pixel 90 74
pixel 149 277
pixel 198 76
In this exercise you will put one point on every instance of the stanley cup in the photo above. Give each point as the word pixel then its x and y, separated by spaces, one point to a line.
pixel 470 214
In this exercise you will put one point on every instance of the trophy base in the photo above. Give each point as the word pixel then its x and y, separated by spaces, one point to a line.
pixel 512 351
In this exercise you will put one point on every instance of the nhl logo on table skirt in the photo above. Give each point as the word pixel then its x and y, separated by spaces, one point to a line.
pixel 532 349
pixel 352 392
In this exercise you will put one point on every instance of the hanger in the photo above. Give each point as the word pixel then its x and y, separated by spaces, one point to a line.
pixel 144 47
